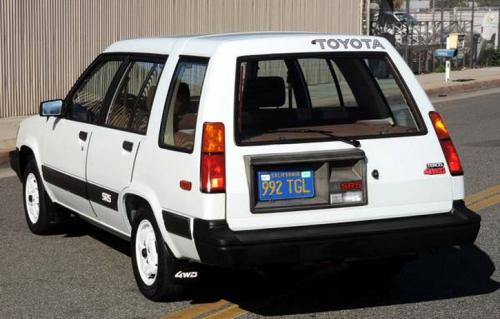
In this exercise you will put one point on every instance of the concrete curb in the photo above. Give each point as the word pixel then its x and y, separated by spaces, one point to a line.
pixel 463 87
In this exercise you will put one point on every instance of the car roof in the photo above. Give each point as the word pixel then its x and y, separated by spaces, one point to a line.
pixel 207 44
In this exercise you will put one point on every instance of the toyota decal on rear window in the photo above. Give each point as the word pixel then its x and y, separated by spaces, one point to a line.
pixel 348 43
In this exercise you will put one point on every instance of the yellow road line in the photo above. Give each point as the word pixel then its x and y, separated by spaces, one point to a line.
pixel 233 311
pixel 487 202
pixel 195 310
pixel 471 199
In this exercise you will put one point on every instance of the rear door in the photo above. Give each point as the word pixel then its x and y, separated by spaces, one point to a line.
pixel 66 147
pixel 298 120
pixel 115 144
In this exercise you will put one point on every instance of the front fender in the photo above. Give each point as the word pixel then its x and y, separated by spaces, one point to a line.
pixel 30 135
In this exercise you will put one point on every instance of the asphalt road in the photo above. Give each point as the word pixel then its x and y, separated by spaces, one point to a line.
pixel 82 272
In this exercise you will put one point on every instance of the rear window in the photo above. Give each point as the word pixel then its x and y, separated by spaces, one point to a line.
pixel 292 99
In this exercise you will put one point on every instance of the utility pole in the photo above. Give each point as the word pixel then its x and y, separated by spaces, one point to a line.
pixel 408 22
pixel 472 42
pixel 442 24
pixel 498 30
pixel 433 34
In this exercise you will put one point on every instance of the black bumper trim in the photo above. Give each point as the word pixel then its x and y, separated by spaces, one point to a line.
pixel 176 224
pixel 15 163
pixel 218 245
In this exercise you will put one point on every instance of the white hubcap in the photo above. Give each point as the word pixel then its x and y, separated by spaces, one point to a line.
pixel 145 252
pixel 32 199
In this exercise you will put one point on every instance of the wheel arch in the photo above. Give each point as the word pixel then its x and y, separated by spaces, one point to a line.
pixel 25 155
pixel 27 150
pixel 132 203
pixel 132 199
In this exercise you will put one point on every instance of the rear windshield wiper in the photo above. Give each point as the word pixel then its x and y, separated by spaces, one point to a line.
pixel 350 141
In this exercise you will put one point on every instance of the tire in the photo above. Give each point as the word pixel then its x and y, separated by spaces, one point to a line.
pixel 37 205
pixel 155 283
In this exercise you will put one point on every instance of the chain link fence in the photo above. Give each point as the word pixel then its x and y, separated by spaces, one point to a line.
pixel 417 33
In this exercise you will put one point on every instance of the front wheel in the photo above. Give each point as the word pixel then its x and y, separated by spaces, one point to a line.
pixel 152 262
pixel 37 205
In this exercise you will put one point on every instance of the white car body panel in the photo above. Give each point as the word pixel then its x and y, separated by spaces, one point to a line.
pixel 110 166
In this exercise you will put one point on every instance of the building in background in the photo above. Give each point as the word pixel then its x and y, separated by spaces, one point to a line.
pixel 417 5
pixel 419 31
pixel 45 44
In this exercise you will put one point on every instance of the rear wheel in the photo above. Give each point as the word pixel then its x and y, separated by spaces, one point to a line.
pixel 37 204
pixel 152 262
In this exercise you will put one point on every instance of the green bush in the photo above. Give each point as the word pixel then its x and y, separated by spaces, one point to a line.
pixel 495 59
pixel 440 68
pixel 491 57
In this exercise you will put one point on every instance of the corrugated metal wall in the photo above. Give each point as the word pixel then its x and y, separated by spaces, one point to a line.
pixel 45 44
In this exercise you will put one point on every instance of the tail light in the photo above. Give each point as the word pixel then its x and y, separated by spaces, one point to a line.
pixel 213 164
pixel 449 150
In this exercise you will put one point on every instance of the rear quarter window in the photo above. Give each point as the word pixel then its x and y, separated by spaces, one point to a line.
pixel 181 110
pixel 299 98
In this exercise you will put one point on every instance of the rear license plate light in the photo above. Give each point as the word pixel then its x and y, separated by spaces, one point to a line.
pixel 353 196
pixel 347 197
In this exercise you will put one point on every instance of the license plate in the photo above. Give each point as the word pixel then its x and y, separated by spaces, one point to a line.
pixel 281 185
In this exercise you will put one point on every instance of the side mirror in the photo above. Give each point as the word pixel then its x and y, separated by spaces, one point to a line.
pixel 51 108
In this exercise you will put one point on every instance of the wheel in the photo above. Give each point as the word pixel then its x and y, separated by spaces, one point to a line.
pixel 37 205
pixel 152 262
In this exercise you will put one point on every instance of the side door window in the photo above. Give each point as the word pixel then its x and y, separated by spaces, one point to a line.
pixel 181 112
pixel 132 101
pixel 86 103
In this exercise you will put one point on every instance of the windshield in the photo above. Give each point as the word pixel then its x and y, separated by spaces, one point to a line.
pixel 292 99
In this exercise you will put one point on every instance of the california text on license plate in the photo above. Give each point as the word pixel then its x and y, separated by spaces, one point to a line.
pixel 278 185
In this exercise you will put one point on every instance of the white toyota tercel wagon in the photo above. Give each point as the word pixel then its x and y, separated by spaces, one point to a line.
pixel 244 151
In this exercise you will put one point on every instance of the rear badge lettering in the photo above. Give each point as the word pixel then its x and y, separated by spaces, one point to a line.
pixel 348 43
pixel 435 169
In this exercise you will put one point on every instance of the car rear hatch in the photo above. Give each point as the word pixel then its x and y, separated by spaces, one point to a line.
pixel 329 138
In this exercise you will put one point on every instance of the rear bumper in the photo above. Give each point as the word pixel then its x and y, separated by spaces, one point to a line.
pixel 219 246
pixel 15 164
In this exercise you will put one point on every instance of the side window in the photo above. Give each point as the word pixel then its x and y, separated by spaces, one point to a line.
pixel 348 97
pixel 182 106
pixel 278 68
pixel 86 103
pixel 392 92
pixel 321 83
pixel 131 104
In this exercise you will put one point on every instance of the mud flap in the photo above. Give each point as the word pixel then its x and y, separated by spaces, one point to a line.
pixel 186 272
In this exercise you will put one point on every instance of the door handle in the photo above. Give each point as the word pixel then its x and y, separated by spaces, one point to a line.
pixel 128 146
pixel 82 135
